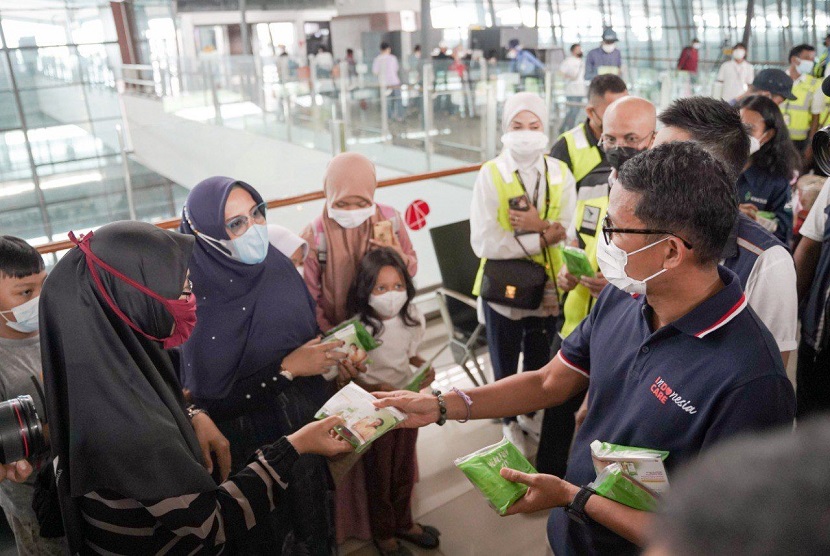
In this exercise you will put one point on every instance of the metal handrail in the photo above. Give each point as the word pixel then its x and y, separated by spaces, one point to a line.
pixel 171 223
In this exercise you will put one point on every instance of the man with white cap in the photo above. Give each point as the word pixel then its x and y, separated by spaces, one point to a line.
pixel 544 192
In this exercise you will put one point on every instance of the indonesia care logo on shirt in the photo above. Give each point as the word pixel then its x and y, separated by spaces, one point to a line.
pixel 666 393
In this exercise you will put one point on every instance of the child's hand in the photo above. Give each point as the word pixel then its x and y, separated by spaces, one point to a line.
pixel 429 378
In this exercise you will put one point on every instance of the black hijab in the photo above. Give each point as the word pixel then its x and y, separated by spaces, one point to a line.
pixel 115 407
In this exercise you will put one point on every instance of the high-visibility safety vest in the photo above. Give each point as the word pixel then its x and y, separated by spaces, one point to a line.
pixel 556 172
pixel 584 156
pixel 820 66
pixel 797 112
pixel 588 222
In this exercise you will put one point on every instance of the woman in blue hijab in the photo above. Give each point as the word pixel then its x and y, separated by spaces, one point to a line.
pixel 254 360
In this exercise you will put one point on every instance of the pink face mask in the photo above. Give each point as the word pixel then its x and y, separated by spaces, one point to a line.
pixel 182 310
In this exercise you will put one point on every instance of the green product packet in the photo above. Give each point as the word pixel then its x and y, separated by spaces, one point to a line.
pixel 352 331
pixel 577 262
pixel 766 214
pixel 482 469
pixel 643 466
pixel 415 385
pixel 615 485
pixel 364 422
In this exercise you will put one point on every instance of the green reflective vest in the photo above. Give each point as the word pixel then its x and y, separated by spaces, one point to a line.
pixel 557 170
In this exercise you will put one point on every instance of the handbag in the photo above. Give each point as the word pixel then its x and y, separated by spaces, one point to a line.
pixel 517 283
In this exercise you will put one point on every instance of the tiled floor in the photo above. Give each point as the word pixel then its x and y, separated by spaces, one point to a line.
pixel 444 498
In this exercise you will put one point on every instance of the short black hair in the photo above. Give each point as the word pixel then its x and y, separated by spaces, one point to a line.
pixel 606 83
pixel 799 48
pixel 739 45
pixel 18 259
pixel 417 48
pixel 759 494
pixel 384 45
pixel 715 125
pixel 574 45
pixel 686 190
pixel 349 51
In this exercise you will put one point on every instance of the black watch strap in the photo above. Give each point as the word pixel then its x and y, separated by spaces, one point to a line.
pixel 576 509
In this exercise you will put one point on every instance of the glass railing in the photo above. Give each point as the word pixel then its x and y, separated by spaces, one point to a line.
pixel 444 112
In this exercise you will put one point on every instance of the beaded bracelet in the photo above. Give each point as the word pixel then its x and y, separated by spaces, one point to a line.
pixel 442 408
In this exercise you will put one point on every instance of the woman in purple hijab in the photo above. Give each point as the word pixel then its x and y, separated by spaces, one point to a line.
pixel 254 359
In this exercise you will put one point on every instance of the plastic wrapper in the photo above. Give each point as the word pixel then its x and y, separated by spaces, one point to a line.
pixel 577 262
pixel 642 465
pixel 364 422
pixel 615 485
pixel 482 468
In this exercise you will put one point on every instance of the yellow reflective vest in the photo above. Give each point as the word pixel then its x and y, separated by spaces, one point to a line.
pixel 588 222
pixel 797 113
pixel 557 170
pixel 584 156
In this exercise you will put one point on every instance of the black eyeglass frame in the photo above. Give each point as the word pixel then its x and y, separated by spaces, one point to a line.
pixel 607 231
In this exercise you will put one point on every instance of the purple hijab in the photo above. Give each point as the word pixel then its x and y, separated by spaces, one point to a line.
pixel 249 316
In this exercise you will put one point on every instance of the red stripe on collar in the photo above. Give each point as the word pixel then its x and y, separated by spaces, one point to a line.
pixel 730 314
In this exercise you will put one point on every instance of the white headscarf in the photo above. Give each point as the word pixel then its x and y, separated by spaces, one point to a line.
pixel 521 102
pixel 525 147
pixel 285 241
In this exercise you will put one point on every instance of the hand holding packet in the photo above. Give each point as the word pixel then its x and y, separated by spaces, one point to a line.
pixel 767 220
pixel 483 467
pixel 364 423
pixel 632 476
pixel 357 343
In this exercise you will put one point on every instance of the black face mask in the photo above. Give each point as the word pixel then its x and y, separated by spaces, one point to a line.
pixel 619 155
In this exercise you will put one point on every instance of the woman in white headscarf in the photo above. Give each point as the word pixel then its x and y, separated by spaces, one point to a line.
pixel 544 191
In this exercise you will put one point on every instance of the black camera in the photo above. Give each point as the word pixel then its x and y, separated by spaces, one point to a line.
pixel 21 432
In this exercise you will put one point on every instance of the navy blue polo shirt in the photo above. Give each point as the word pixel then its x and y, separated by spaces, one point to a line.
pixel 769 193
pixel 711 374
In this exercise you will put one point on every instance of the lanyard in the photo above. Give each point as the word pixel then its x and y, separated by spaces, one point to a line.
pixel 536 190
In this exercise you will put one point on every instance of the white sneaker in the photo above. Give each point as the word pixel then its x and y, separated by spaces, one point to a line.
pixel 532 425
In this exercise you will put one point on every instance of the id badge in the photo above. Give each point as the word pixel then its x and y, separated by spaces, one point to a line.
pixel 590 221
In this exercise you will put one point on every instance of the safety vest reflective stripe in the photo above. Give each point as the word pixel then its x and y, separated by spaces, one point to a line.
pixel 797 112
pixel 584 156
pixel 588 222
pixel 557 170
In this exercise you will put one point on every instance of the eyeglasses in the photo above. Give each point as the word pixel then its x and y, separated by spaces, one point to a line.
pixel 608 231
pixel 238 225
pixel 608 142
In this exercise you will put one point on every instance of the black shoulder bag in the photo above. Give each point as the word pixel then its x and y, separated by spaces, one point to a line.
pixel 517 283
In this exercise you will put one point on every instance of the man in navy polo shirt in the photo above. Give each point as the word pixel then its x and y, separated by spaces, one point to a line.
pixel 672 356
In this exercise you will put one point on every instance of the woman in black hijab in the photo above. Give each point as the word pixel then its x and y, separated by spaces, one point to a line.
pixel 130 473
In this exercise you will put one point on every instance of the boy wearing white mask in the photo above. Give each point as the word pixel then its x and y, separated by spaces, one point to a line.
pixel 22 274
pixel 735 75
pixel 499 232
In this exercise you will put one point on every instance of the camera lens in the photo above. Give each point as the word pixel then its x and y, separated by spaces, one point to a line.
pixel 821 149
pixel 21 433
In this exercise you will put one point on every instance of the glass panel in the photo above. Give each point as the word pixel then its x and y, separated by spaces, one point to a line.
pixel 14 160
pixel 54 106
pixel 43 67
pixel 9 118
pixel 43 27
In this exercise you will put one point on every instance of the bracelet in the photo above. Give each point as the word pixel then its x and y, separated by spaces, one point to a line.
pixel 467 401
pixel 442 408
pixel 193 411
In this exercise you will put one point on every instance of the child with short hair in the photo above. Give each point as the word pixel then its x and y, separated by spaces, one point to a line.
pixel 381 297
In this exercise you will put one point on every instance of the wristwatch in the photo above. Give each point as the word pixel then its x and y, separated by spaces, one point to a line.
pixel 193 411
pixel 576 509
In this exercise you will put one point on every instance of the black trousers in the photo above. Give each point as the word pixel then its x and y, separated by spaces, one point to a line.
pixel 558 426
pixel 812 380
pixel 506 339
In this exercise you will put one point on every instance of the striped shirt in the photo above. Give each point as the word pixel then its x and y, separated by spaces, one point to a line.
pixel 192 523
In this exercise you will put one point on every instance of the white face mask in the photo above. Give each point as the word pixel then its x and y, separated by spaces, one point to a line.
pixel 525 146
pixel 739 54
pixel 26 315
pixel 249 248
pixel 612 262
pixel 350 218
pixel 754 145
pixel 696 45
pixel 388 304
pixel 609 48
pixel 804 66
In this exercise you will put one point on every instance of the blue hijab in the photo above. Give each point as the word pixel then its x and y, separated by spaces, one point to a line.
pixel 249 316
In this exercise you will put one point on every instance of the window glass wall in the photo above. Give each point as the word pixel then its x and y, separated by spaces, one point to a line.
pixel 60 160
